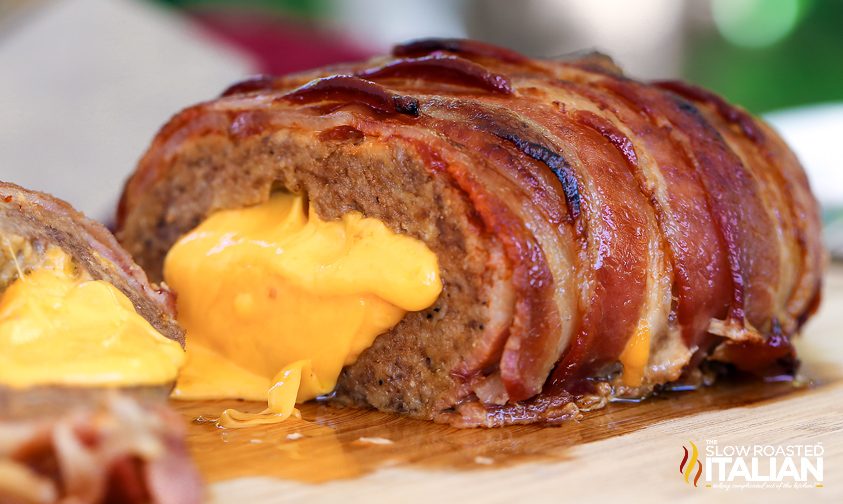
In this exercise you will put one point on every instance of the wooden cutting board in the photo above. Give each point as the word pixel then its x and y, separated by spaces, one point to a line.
pixel 625 452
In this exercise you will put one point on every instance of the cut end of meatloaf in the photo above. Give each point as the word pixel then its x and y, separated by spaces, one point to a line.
pixel 31 221
pixel 413 368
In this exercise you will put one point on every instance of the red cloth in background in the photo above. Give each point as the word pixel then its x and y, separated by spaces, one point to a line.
pixel 280 46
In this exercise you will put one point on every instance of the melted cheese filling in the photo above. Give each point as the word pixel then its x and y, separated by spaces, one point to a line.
pixel 275 301
pixel 59 328
pixel 635 355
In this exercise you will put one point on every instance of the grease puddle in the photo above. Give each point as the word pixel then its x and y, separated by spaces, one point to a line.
pixel 338 443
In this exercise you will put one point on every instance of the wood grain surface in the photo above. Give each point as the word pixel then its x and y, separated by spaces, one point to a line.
pixel 625 452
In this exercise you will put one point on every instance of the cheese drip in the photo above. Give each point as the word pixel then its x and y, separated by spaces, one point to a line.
pixel 59 328
pixel 635 355
pixel 275 301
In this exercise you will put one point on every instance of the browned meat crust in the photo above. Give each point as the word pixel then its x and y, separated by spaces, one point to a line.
pixel 570 206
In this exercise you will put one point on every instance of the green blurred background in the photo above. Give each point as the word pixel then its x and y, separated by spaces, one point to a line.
pixel 774 54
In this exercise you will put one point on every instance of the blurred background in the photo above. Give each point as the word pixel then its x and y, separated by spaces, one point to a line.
pixel 85 84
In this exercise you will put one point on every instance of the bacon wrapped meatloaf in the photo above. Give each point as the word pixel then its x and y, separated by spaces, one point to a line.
pixel 597 236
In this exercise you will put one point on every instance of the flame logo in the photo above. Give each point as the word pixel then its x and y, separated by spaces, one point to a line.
pixel 686 467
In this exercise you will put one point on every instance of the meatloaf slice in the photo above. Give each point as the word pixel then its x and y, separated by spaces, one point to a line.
pixel 87 444
pixel 31 221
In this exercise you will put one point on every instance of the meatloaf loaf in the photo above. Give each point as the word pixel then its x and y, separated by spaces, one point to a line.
pixel 597 236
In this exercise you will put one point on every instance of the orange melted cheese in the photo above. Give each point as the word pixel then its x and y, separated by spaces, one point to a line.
pixel 57 328
pixel 635 356
pixel 275 301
